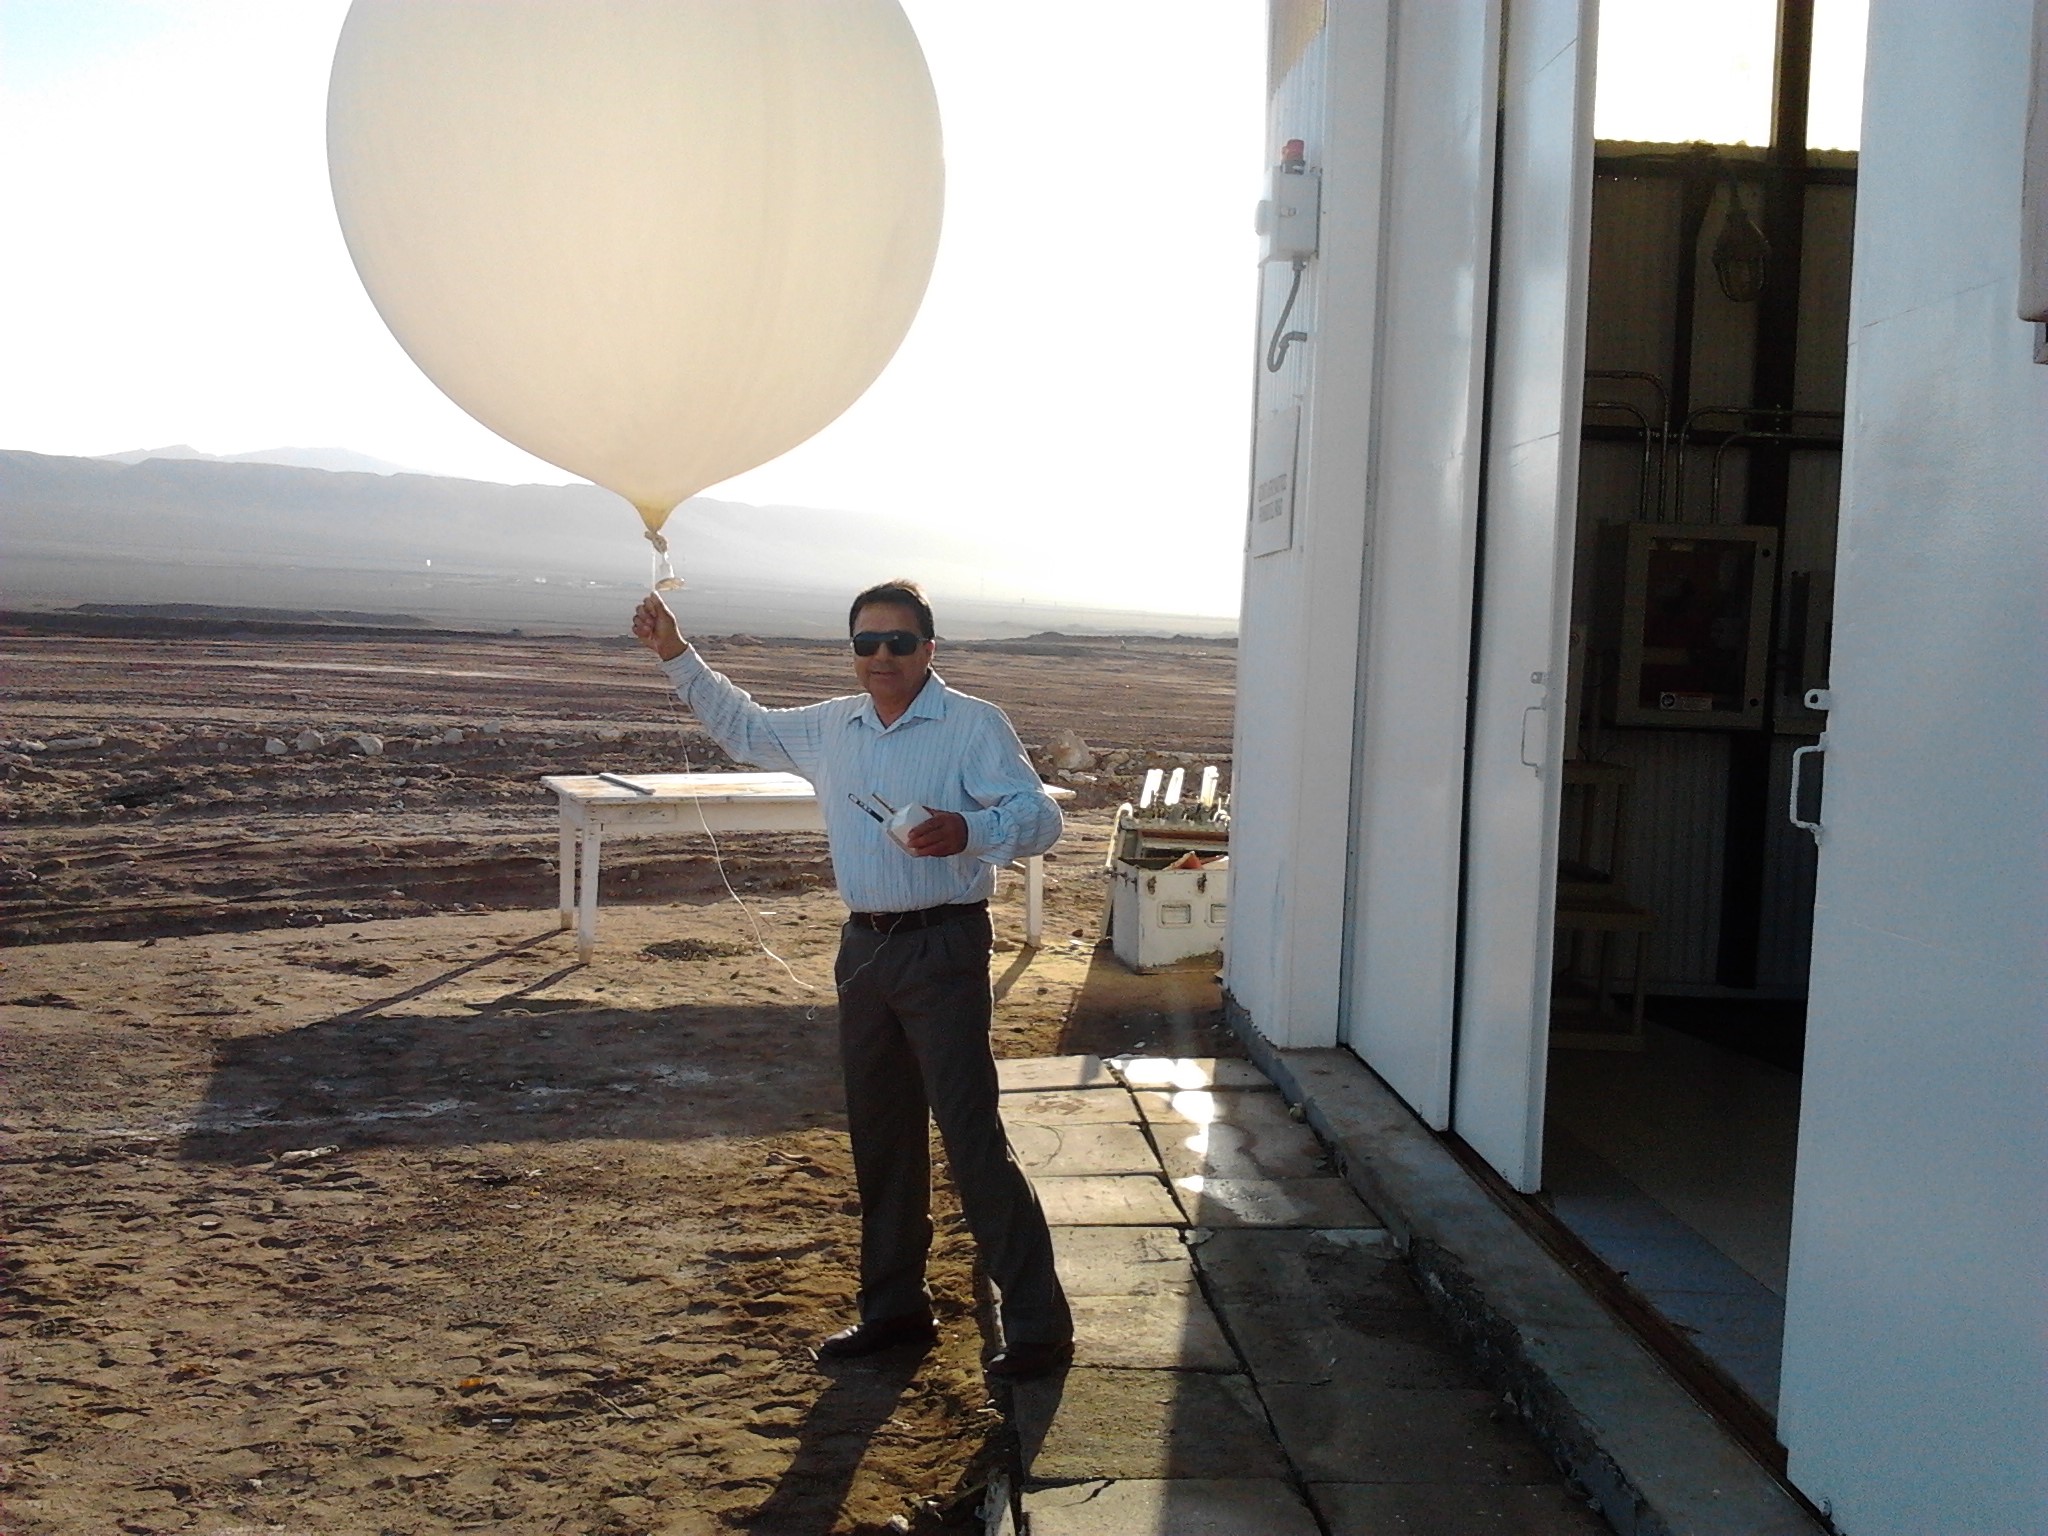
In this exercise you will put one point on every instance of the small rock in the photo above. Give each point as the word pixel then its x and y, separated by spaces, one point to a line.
pixel 1065 750
pixel 368 745
pixel 451 737
pixel 309 740
pixel 304 1155
pixel 28 744
pixel 609 733
pixel 492 729
pixel 74 743
pixel 272 747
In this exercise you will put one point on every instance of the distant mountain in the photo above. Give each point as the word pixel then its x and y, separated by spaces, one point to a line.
pixel 261 513
pixel 338 460
pixel 201 530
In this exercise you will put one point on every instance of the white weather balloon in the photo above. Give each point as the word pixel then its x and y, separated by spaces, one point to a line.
pixel 655 242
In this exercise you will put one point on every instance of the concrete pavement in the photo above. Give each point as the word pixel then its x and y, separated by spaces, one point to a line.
pixel 1252 1358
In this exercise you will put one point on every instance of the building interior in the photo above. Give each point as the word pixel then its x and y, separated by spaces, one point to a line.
pixel 1710 467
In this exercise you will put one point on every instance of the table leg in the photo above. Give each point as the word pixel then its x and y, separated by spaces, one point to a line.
pixel 1034 899
pixel 586 895
pixel 565 854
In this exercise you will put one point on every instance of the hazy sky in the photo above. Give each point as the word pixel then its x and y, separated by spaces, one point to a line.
pixel 1082 365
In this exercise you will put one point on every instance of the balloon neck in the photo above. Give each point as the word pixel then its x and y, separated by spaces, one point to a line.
pixel 665 577
pixel 653 517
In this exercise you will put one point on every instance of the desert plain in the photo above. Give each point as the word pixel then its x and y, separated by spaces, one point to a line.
pixel 340 1197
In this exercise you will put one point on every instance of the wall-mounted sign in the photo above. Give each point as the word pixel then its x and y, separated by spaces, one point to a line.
pixel 1273 476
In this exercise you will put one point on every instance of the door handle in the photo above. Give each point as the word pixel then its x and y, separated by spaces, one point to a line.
pixel 1798 772
pixel 1527 761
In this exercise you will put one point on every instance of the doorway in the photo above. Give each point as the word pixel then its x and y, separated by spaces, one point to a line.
pixel 1709 471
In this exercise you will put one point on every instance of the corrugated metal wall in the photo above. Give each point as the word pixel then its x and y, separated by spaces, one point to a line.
pixel 1674 862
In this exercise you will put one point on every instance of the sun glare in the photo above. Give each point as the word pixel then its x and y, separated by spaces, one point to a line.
pixel 1680 71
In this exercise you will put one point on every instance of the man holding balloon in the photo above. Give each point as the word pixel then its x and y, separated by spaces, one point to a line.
pixel 658 245
pixel 926 793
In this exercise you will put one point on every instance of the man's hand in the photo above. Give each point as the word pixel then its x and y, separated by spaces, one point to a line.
pixel 939 838
pixel 655 627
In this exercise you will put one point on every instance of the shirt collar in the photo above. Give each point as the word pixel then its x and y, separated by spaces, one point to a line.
pixel 930 704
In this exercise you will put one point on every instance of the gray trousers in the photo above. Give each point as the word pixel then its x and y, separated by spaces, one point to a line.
pixel 914 1012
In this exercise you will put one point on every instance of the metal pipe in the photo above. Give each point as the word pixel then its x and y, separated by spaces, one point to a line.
pixel 1702 176
pixel 1721 448
pixel 1651 379
pixel 1685 432
pixel 1663 417
pixel 1643 473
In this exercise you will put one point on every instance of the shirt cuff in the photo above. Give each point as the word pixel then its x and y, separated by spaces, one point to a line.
pixel 983 828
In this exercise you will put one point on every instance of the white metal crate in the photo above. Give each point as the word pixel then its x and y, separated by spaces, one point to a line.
pixel 1161 916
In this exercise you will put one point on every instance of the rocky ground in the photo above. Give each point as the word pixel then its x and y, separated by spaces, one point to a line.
pixel 161 783
pixel 342 1199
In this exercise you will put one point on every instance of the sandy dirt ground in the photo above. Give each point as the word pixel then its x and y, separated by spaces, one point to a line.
pixel 341 1199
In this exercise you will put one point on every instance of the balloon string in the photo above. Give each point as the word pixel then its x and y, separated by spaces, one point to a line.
pixel 717 853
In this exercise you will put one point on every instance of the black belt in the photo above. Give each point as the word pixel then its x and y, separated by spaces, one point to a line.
pixel 924 917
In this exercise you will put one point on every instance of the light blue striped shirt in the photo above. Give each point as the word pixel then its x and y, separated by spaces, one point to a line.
pixel 947 752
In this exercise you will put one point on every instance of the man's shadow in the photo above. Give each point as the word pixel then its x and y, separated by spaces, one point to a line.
pixel 833 1439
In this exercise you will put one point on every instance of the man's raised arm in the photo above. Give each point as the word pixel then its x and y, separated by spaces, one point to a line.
pixel 779 739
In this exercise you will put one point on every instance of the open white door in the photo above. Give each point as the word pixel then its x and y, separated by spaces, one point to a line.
pixel 1400 984
pixel 1527 510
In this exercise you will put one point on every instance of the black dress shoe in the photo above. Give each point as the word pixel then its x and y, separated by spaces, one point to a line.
pixel 873 1337
pixel 1028 1362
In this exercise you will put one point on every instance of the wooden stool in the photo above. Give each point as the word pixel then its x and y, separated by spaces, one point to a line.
pixel 1607 914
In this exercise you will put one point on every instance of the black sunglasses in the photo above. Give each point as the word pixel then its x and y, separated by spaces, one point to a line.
pixel 901 642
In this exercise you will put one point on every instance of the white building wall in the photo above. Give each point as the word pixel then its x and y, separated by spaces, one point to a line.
pixel 1297 646
pixel 1348 795
pixel 1915 1391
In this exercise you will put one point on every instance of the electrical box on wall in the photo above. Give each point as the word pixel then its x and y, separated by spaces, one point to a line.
pixel 1289 221
pixel 1684 610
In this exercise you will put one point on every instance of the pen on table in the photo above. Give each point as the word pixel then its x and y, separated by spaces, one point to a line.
pixel 613 778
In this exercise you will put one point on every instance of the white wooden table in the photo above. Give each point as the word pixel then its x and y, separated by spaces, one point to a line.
pixel 595 808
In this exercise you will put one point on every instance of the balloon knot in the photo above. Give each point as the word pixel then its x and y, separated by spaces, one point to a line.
pixel 660 544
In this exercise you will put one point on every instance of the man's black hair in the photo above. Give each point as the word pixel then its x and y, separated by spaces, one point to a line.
pixel 902 593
